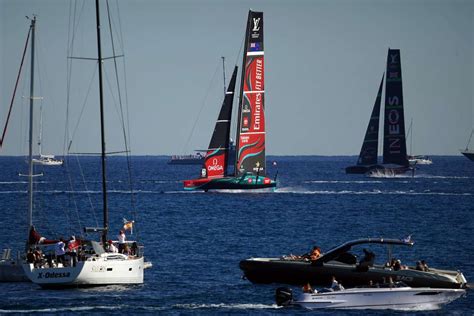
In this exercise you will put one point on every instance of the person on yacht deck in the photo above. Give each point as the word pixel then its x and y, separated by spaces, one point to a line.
pixel 59 251
pixel 121 241
pixel 111 247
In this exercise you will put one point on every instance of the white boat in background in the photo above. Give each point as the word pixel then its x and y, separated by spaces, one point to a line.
pixel 47 160
pixel 416 159
pixel 419 160
pixel 395 298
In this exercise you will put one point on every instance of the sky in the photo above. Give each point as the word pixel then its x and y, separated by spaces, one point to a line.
pixel 323 63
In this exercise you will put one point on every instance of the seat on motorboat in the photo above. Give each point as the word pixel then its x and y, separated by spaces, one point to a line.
pixel 347 258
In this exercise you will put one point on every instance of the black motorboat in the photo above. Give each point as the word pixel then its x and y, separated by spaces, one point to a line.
pixel 348 270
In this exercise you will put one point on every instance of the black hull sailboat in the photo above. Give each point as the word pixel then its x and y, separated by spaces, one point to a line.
pixel 342 264
pixel 468 153
pixel 250 164
pixel 394 142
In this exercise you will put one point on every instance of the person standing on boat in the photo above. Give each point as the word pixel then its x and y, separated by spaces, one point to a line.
pixel 335 286
pixel 59 251
pixel 121 241
pixel 72 246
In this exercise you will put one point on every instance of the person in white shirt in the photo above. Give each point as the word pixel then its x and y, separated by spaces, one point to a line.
pixel 59 251
pixel 121 241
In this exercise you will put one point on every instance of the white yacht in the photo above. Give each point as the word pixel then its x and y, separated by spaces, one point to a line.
pixel 396 298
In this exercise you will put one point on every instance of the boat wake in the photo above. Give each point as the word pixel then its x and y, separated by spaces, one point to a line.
pixel 63 309
pixel 236 306
pixel 295 190
pixel 342 181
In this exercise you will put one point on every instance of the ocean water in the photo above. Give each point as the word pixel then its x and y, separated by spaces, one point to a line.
pixel 195 240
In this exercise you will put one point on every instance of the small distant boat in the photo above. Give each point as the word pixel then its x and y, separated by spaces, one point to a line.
pixel 396 297
pixel 250 165
pixel 469 153
pixel 193 159
pixel 419 160
pixel 416 159
pixel 47 160
pixel 394 145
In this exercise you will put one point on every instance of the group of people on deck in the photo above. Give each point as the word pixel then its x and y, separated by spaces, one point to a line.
pixel 64 253
pixel 122 245
pixel 335 286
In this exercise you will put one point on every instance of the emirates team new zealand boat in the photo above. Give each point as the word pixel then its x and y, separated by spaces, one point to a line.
pixel 394 145
pixel 345 266
pixel 250 164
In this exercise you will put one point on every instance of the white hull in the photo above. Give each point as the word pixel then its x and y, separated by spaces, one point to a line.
pixel 104 270
pixel 47 162
pixel 420 161
pixel 403 298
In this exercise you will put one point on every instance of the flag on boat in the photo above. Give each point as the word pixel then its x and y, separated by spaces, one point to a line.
pixel 128 225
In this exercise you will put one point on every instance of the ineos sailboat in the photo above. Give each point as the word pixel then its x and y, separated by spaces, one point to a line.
pixel 250 164
pixel 394 142
pixel 94 266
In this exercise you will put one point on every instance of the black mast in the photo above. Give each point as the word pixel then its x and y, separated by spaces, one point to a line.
pixel 241 94
pixel 102 129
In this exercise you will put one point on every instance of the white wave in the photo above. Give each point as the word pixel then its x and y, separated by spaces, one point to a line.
pixel 242 306
pixel 62 309
pixel 375 191
pixel 341 181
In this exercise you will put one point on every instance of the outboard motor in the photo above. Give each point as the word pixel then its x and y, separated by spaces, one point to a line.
pixel 283 296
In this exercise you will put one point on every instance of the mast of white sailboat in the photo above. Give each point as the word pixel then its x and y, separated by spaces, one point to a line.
pixel 223 72
pixel 102 129
pixel 30 140
pixel 40 137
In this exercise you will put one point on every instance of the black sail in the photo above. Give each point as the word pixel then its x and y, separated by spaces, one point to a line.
pixel 369 150
pixel 394 146
pixel 216 160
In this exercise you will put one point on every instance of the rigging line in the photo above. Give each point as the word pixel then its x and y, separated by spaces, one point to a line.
pixel 87 190
pixel 124 69
pixel 14 90
pixel 237 95
pixel 202 106
pixel 132 200
pixel 82 109
pixel 72 196
pixel 134 197
pixel 69 63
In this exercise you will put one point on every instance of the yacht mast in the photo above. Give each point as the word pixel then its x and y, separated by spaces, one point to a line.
pixel 223 72
pixel 102 129
pixel 30 139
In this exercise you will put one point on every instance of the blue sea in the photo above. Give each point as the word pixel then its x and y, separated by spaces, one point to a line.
pixel 195 240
